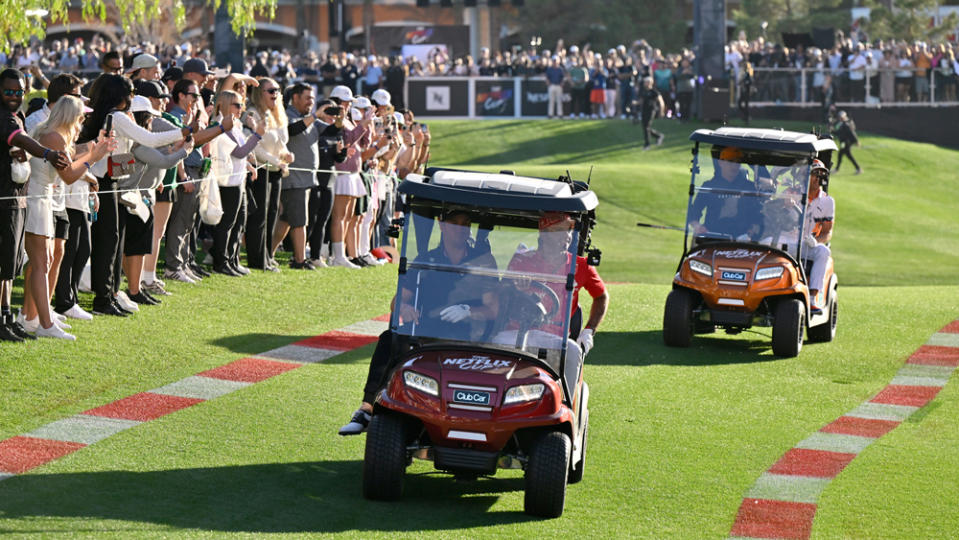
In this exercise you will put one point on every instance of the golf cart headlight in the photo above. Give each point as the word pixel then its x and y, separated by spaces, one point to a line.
pixel 526 392
pixel 701 267
pixel 421 383
pixel 769 273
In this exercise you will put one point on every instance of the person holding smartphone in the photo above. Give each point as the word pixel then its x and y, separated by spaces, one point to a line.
pixel 332 150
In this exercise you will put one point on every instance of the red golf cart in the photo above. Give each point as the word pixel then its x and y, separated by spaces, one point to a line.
pixel 504 387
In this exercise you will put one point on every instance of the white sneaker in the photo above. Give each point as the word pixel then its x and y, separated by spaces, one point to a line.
pixel 319 263
pixel 55 332
pixel 56 315
pixel 76 312
pixel 125 302
pixel 208 259
pixel 370 259
pixel 344 262
pixel 180 276
pixel 29 326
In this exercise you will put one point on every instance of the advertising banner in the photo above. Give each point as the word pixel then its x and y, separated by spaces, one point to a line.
pixel 389 40
pixel 439 96
pixel 495 97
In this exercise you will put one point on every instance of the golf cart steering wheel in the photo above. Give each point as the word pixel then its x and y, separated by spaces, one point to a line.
pixel 531 304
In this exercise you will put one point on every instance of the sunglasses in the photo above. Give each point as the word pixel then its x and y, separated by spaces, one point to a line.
pixel 192 94
pixel 8 93
pixel 272 91
pixel 237 105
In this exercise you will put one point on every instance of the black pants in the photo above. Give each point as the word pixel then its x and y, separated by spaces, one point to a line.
pixel 261 218
pixel 105 239
pixel 226 231
pixel 321 206
pixel 76 251
pixel 580 97
pixel 647 127
pixel 380 367
pixel 844 149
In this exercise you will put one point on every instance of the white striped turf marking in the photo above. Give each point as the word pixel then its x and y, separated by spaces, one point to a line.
pixel 785 487
pixel 904 380
pixel 367 328
pixel 83 428
pixel 943 339
pixel 199 387
pixel 921 370
pixel 299 354
pixel 835 442
pixel 882 411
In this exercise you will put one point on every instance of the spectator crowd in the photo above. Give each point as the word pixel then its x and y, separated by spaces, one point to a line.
pixel 98 175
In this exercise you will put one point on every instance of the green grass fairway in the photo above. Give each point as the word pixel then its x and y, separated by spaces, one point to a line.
pixel 676 438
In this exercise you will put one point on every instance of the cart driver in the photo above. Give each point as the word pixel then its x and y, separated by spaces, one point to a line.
pixel 820 214
pixel 552 256
pixel 726 213
pixel 445 308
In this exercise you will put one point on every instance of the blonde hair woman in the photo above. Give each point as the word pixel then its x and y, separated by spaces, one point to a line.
pixel 266 107
pixel 229 154
pixel 58 132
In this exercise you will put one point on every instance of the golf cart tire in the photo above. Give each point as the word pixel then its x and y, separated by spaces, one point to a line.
pixel 384 464
pixel 678 318
pixel 546 475
pixel 576 469
pixel 788 327
pixel 826 332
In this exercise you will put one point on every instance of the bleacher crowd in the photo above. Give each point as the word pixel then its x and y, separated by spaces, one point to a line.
pixel 98 174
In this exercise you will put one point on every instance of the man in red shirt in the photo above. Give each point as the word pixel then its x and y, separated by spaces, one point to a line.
pixel 552 257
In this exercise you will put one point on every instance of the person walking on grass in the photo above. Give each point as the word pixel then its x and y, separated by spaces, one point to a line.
pixel 845 130
pixel 651 103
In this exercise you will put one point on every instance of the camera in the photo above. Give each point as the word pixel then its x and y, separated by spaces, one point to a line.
pixel 333 110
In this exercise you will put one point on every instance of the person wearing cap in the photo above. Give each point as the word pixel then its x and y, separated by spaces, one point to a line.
pixel 845 131
pixel 266 107
pixel 722 209
pixel 151 165
pixel 348 186
pixel 820 216
pixel 382 100
pixel 332 151
pixel 304 133
pixel 43 198
pixel 144 67
pixel 552 256
pixel 453 302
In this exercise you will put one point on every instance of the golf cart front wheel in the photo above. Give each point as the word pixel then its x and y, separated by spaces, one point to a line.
pixel 546 477
pixel 678 318
pixel 788 327
pixel 384 463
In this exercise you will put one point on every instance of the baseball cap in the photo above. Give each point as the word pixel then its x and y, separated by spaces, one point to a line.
pixel 142 104
pixel 196 65
pixel 399 119
pixel 556 221
pixel 152 89
pixel 381 97
pixel 143 61
pixel 342 93
pixel 172 74
pixel 730 153
pixel 362 102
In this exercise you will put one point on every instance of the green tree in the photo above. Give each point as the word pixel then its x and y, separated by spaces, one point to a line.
pixel 789 16
pixel 22 19
pixel 907 19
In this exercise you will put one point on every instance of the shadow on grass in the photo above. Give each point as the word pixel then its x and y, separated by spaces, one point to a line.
pixel 255 343
pixel 646 349
pixel 305 497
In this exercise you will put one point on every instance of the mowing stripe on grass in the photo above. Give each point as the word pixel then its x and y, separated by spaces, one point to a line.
pixel 782 502
pixel 57 439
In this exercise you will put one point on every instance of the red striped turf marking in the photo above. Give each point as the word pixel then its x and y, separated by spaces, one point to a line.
pixel 761 518
pixel 337 340
pixel 143 407
pixel 382 318
pixel 935 355
pixel 818 463
pixel 20 454
pixel 861 427
pixel 912 396
pixel 251 370
pixel 951 328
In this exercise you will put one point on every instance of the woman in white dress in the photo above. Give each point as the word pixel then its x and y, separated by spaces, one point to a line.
pixel 58 132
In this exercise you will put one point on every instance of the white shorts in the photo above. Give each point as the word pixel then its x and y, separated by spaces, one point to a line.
pixel 40 217
pixel 349 184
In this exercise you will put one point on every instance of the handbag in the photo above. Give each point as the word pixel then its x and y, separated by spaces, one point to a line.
pixel 211 206
pixel 19 171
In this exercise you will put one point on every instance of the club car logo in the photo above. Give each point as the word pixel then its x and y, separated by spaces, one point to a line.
pixel 419 36
pixel 477 363
pixel 738 253
pixel 738 276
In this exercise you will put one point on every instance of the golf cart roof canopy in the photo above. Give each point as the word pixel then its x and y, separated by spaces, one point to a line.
pixel 506 191
pixel 774 140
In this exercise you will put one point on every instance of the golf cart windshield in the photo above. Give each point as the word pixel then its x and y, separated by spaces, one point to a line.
pixel 488 279
pixel 756 198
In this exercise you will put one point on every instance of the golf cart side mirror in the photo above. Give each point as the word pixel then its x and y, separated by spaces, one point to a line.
pixel 593 257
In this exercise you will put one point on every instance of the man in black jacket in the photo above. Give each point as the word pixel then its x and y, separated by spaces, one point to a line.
pixel 845 130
